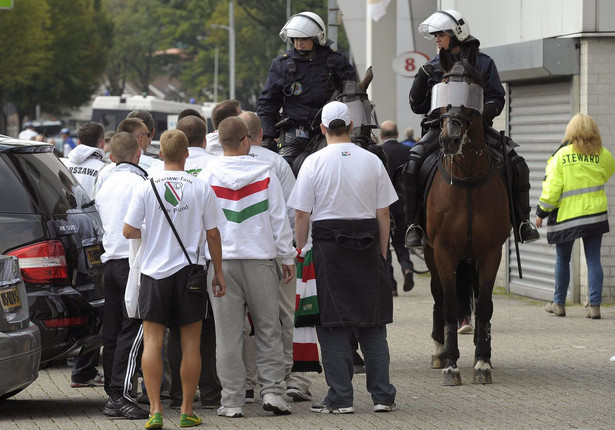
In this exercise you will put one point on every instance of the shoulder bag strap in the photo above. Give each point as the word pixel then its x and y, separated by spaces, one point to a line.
pixel 169 220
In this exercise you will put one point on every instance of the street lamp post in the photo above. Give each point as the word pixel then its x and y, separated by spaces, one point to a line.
pixel 231 47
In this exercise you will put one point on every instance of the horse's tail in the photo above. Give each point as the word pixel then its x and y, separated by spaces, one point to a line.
pixel 467 287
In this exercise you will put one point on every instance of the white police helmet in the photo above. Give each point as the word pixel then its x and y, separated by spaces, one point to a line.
pixel 449 21
pixel 305 24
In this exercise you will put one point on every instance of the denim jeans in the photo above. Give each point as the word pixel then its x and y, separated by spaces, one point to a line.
pixel 336 349
pixel 595 276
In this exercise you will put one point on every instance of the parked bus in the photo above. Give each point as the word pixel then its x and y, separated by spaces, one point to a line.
pixel 111 110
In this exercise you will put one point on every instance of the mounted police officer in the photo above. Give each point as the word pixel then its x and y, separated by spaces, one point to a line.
pixel 453 37
pixel 300 81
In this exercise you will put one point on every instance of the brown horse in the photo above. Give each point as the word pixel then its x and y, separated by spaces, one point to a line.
pixel 467 221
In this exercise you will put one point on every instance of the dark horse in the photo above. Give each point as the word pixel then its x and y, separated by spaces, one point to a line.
pixel 354 95
pixel 467 220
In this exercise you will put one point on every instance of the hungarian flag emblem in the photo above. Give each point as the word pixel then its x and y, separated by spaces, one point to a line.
pixel 173 192
pixel 244 203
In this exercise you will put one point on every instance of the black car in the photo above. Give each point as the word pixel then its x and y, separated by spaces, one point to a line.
pixel 49 222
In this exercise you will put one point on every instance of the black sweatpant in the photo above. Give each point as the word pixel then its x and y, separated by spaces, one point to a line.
pixel 122 336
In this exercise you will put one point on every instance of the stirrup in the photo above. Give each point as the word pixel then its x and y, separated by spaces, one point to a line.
pixel 414 236
pixel 530 231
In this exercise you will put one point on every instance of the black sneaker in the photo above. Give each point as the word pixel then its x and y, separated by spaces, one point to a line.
pixel 123 407
pixel 528 232
pixel 414 237
pixel 408 282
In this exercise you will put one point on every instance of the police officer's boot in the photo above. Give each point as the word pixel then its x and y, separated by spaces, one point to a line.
pixel 521 195
pixel 412 197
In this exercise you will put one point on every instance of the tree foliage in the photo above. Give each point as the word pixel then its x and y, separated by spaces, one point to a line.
pixel 54 51
pixel 24 48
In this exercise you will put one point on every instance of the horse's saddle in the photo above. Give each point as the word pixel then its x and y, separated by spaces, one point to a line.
pixel 494 145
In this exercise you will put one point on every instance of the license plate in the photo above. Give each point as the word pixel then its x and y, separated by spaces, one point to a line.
pixel 10 300
pixel 92 255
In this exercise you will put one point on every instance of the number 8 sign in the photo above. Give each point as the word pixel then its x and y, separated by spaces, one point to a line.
pixel 408 63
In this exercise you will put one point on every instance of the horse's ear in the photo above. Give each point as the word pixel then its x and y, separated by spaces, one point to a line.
pixel 471 57
pixel 364 84
pixel 445 60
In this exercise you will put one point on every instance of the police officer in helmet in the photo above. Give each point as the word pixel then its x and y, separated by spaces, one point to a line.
pixel 300 81
pixel 452 35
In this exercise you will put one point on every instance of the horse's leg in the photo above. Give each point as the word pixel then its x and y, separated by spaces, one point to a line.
pixel 450 373
pixel 484 312
pixel 437 332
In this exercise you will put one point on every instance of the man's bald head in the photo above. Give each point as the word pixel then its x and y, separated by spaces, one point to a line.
pixel 388 130
pixel 254 126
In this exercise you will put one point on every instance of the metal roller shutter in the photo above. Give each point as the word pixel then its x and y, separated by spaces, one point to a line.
pixel 538 117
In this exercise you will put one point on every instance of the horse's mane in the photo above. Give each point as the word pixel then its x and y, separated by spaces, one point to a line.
pixel 448 60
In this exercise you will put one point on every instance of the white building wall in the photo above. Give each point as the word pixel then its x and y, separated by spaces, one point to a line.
pixel 597 98
pixel 502 22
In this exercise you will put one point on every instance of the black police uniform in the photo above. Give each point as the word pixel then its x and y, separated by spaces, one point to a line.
pixel 494 98
pixel 301 86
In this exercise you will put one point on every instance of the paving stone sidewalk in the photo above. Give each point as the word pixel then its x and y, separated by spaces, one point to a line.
pixel 549 373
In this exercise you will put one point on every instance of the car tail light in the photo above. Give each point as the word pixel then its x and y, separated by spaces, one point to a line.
pixel 42 262
pixel 64 322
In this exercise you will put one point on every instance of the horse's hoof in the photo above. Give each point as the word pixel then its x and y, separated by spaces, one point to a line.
pixel 482 372
pixel 482 377
pixel 451 377
pixel 437 362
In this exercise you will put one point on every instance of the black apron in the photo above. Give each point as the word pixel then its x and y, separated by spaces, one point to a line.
pixel 352 278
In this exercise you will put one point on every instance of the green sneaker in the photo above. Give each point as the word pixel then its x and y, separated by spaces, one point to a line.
pixel 155 421
pixel 189 420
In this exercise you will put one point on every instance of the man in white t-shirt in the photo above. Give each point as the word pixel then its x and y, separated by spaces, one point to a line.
pixel 346 191
pixel 122 336
pixel 220 112
pixel 164 299
pixel 133 124
pixel 195 130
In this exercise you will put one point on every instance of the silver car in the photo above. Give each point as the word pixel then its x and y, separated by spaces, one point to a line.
pixel 20 340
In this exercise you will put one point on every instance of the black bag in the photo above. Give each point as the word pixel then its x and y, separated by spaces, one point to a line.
pixel 197 278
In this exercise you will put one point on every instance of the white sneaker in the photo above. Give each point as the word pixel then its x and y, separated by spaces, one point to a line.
pixel 381 407
pixel 224 411
pixel 276 404
pixel 321 408
pixel 297 395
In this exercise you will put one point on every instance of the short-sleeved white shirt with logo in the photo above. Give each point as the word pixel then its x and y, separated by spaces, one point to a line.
pixel 193 208
pixel 342 181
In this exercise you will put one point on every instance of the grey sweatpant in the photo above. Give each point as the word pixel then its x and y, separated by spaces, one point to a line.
pixel 251 283
pixel 300 380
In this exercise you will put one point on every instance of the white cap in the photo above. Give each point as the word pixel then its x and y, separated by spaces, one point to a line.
pixel 335 110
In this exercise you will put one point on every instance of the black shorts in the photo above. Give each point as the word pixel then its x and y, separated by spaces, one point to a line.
pixel 167 301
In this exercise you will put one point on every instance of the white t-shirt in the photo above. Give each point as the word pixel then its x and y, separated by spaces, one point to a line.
pixel 112 201
pixel 193 208
pixel 342 181
pixel 146 162
pixel 214 147
pixel 283 172
pixel 197 160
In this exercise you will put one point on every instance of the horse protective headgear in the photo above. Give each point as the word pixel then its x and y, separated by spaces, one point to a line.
pixel 449 21
pixel 305 24
pixel 361 108
pixel 457 94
